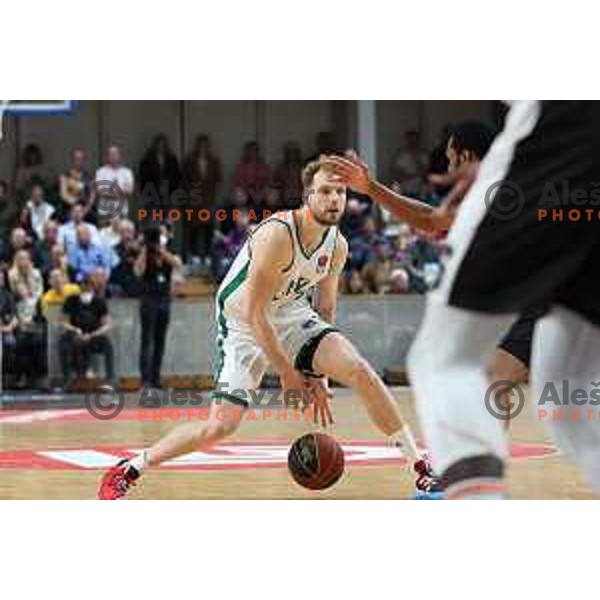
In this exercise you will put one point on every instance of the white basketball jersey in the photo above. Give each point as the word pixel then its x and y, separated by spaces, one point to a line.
pixel 303 273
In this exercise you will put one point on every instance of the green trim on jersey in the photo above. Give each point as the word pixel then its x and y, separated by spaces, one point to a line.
pixel 229 289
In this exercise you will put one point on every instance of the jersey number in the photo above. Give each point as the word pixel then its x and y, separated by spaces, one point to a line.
pixel 296 287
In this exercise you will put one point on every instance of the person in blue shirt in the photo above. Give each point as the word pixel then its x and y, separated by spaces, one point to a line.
pixel 86 255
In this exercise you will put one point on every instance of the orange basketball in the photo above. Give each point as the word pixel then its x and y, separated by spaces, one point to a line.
pixel 316 461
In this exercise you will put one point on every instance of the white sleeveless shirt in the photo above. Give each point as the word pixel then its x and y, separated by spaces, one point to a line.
pixel 302 274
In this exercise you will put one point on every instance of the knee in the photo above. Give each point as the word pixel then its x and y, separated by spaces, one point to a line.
pixel 359 372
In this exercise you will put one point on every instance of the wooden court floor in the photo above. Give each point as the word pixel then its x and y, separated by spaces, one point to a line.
pixel 252 467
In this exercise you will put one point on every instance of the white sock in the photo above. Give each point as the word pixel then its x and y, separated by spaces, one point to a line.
pixel 404 439
pixel 139 462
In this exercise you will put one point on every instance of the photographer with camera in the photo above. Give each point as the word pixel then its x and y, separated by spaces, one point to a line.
pixel 154 266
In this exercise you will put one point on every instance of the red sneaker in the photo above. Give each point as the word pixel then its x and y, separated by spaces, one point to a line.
pixel 426 480
pixel 117 480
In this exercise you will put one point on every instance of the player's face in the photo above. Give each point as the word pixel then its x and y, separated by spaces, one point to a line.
pixel 452 156
pixel 327 198
pixel 455 158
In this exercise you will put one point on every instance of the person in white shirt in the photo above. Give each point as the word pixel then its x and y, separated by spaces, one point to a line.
pixel 67 234
pixel 113 171
pixel 110 233
pixel 39 211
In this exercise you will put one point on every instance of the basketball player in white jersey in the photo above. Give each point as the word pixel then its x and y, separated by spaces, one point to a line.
pixel 264 316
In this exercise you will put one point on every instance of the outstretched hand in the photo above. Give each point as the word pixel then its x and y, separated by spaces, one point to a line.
pixel 353 171
pixel 318 397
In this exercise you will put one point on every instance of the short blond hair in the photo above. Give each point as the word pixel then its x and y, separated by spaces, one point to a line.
pixel 309 172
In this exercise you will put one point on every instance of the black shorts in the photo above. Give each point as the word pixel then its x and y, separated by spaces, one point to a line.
pixel 505 255
pixel 517 340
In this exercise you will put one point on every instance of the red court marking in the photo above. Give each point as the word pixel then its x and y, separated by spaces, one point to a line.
pixel 241 454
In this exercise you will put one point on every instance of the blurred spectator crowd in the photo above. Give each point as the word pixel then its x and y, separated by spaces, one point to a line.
pixel 56 243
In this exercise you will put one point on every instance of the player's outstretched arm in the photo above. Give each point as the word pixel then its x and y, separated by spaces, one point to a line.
pixel 415 213
pixel 272 253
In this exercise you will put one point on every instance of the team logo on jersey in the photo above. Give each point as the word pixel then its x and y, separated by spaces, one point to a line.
pixel 322 263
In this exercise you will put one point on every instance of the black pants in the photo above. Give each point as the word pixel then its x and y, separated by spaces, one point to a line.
pixel 75 354
pixel 9 354
pixel 154 319
pixel 30 352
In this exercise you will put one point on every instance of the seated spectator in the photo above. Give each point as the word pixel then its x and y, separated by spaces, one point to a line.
pixel 99 282
pixel 361 246
pixel 252 173
pixel 411 165
pixel 405 256
pixel 37 211
pixel 86 255
pixel 9 211
pixel 30 333
pixel 288 176
pixel 86 322
pixel 240 201
pixel 110 232
pixel 123 281
pixel 272 201
pixel 60 290
pixel 358 208
pixel 402 246
pixel 127 235
pixel 201 177
pixel 228 247
pixel 354 283
pixel 74 184
pixel 376 272
pixel 19 240
pixel 8 325
pixel 33 169
pixel 67 234
pixel 23 275
pixel 59 260
pixel 42 251
pixel 115 172
pixel 399 282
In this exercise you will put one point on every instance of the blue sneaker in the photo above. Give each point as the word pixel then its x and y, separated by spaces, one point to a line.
pixel 419 495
